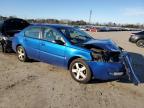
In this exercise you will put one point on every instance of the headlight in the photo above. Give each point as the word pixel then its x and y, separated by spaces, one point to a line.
pixel 106 56
pixel 134 37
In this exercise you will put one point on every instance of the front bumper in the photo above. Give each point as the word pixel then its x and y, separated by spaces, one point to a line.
pixel 106 71
pixel 113 70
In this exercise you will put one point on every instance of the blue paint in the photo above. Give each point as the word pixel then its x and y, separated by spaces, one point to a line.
pixel 103 70
pixel 60 55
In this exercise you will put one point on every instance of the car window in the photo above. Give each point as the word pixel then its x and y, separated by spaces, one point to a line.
pixel 75 36
pixel 142 32
pixel 33 32
pixel 52 35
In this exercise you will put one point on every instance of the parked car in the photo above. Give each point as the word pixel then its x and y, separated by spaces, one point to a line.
pixel 104 29
pixel 7 30
pixel 80 28
pixel 137 38
pixel 92 29
pixel 86 58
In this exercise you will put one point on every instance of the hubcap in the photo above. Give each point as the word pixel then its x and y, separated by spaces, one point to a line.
pixel 141 44
pixel 79 71
pixel 21 54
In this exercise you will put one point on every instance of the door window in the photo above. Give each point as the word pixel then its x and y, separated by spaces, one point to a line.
pixel 52 35
pixel 33 32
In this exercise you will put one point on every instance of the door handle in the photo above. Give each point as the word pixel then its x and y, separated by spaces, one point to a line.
pixel 25 39
pixel 42 44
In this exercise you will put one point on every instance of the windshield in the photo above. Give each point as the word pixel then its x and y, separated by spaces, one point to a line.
pixel 142 32
pixel 75 36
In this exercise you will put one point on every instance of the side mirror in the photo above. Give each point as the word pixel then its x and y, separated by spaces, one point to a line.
pixel 60 42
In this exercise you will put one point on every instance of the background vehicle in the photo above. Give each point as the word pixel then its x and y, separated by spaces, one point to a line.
pixel 7 30
pixel 86 58
pixel 92 29
pixel 137 38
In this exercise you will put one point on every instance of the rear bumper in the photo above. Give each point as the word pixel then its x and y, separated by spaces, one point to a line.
pixel 7 45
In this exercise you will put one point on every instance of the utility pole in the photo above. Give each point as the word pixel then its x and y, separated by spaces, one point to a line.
pixel 90 16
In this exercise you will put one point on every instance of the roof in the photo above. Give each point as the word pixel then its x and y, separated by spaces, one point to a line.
pixel 52 25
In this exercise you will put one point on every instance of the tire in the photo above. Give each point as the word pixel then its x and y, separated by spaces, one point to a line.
pixel 80 71
pixel 4 50
pixel 1 47
pixel 140 43
pixel 21 53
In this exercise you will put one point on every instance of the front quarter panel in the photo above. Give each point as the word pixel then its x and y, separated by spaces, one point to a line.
pixel 74 51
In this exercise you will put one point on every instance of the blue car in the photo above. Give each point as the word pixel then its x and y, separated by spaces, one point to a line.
pixel 85 57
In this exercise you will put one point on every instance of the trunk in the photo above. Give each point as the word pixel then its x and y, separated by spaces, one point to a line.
pixel 7 30
pixel 11 26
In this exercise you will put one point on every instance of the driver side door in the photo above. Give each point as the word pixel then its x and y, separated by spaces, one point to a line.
pixel 50 51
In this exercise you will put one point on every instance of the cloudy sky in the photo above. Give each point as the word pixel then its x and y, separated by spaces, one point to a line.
pixel 119 11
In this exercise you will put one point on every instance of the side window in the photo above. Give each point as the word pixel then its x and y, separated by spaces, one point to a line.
pixel 33 32
pixel 73 34
pixel 142 32
pixel 52 35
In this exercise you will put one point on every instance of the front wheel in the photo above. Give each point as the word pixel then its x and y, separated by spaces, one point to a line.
pixel 140 43
pixel 80 71
pixel 22 56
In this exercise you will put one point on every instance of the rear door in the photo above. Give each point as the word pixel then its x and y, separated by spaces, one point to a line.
pixel 32 41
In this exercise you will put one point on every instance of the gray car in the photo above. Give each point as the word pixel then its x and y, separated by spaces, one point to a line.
pixel 137 38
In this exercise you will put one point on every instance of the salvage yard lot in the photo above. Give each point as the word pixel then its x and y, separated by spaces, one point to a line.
pixel 39 85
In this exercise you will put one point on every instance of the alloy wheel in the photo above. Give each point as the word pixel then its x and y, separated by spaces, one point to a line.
pixel 79 71
pixel 140 43
pixel 21 53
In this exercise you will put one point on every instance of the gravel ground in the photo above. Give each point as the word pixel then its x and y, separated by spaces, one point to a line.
pixel 39 85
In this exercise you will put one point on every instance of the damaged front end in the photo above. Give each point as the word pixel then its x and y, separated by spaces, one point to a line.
pixel 109 64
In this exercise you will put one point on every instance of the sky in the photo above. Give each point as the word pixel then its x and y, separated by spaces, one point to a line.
pixel 103 11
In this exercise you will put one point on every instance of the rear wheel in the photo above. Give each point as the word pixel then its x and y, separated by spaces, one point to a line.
pixel 1 47
pixel 5 49
pixel 140 43
pixel 22 56
pixel 80 71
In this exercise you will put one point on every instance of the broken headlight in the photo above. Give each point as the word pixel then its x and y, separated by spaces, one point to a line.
pixel 97 57
pixel 105 56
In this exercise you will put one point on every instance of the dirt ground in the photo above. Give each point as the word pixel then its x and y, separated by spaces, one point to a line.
pixel 39 85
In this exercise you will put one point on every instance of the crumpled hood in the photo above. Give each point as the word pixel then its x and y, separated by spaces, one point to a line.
pixel 106 44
